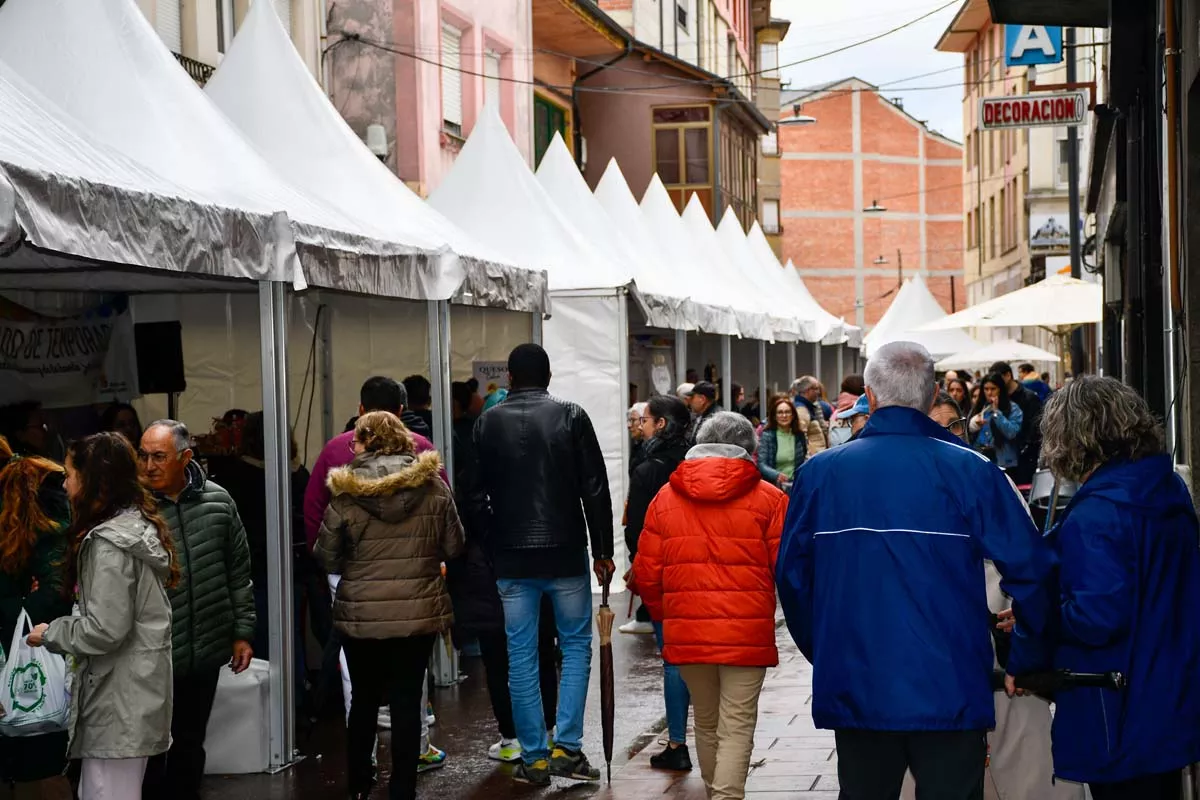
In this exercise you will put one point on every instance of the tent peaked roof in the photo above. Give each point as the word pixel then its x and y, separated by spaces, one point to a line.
pixel 664 223
pixel 913 307
pixel 559 175
pixel 793 323
pixel 264 88
pixel 492 194
pixel 75 198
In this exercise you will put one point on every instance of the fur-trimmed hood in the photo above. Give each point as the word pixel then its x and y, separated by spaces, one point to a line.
pixel 386 486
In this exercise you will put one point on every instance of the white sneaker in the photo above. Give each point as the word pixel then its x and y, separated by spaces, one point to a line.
pixel 506 750
pixel 638 627
pixel 384 722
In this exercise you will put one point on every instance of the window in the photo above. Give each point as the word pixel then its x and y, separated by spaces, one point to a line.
pixel 452 110
pixel 770 217
pixel 768 59
pixel 491 81
pixel 1062 173
pixel 991 222
pixel 971 229
pixel 1004 219
pixel 770 144
pixel 681 13
pixel 168 21
pixel 683 151
pixel 548 119
pixel 224 25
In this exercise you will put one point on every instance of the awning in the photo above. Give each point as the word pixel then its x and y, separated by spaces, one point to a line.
pixel 1077 13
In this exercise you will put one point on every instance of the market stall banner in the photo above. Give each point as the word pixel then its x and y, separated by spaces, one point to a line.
pixel 68 361
pixel 492 375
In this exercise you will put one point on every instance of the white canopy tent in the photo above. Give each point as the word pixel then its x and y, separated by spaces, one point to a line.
pixel 1006 350
pixel 492 194
pixel 913 307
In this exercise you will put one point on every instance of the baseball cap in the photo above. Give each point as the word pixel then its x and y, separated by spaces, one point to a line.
pixel 705 389
pixel 861 406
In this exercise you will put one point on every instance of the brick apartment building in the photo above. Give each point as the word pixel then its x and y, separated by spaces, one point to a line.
pixel 864 150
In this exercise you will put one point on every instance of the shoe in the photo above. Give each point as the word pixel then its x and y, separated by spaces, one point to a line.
pixel 507 750
pixel 675 759
pixel 638 627
pixel 535 774
pixel 433 758
pixel 430 719
pixel 575 766
pixel 384 722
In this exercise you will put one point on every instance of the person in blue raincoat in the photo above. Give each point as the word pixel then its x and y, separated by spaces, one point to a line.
pixel 1129 595
pixel 881 578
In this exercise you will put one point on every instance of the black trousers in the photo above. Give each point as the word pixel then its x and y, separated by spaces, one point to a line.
pixel 176 774
pixel 946 765
pixel 493 648
pixel 1167 786
pixel 391 671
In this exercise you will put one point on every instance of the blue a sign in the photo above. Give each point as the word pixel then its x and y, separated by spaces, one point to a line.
pixel 1032 45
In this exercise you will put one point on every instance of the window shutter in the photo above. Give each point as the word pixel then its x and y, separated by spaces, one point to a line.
pixel 452 76
pixel 771 216
pixel 770 144
pixel 491 81
pixel 768 56
pixel 284 9
pixel 168 22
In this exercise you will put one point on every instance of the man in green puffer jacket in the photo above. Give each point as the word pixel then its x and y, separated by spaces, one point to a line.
pixel 212 607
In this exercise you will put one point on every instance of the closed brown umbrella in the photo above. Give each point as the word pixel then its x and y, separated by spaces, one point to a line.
pixel 604 624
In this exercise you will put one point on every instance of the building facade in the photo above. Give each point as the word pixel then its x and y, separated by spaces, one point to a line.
pixel 869 195
pixel 770 34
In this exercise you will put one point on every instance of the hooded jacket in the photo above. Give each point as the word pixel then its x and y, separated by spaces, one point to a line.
pixel 213 605
pixel 122 695
pixel 1130 602
pixel 706 561
pixel 390 525
pixel 661 458
pixel 881 578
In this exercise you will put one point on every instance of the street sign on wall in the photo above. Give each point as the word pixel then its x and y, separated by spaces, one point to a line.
pixel 1032 45
pixel 1057 109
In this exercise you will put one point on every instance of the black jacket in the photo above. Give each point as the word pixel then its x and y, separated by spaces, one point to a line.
pixel 694 429
pixel 1029 440
pixel 660 459
pixel 415 422
pixel 543 473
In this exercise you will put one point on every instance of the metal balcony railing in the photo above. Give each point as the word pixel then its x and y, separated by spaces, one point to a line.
pixel 198 70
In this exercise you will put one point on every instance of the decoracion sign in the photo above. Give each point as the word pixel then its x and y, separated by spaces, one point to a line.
pixel 67 361
pixel 1060 109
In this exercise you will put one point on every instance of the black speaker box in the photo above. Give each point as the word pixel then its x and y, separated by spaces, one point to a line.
pixel 159 357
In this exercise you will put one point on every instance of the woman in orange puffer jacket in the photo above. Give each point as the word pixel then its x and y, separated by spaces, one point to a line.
pixel 705 567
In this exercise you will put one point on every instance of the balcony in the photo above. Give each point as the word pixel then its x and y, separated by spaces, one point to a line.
pixel 198 71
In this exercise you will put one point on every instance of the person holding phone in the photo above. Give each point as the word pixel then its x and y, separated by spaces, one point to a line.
pixel 996 423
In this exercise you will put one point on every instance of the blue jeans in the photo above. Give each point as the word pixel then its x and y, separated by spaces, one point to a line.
pixel 572 599
pixel 676 695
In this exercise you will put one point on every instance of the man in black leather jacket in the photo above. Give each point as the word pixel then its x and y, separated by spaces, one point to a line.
pixel 543 472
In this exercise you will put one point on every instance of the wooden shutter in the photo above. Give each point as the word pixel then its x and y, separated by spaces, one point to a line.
pixel 168 21
pixel 452 111
pixel 770 216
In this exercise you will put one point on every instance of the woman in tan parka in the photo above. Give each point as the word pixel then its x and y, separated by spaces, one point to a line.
pixel 388 529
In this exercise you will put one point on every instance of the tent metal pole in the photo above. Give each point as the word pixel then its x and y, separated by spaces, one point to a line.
pixel 438 316
pixel 680 356
pixel 727 372
pixel 762 379
pixel 841 367
pixel 791 364
pixel 817 362
pixel 536 332
pixel 272 312
pixel 623 373
pixel 326 333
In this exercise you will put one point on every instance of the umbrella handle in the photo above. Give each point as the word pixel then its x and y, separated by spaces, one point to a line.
pixel 604 595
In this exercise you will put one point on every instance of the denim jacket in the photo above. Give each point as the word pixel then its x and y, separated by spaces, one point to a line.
pixel 998 432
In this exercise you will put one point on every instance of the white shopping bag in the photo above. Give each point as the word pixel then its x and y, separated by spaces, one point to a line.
pixel 33 688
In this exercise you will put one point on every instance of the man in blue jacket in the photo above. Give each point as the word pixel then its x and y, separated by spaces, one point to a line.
pixel 886 598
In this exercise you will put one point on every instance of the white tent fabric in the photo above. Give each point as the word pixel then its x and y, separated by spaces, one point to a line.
pixel 767 285
pixel 617 200
pixel 105 63
pixel 663 220
pixel 914 306
pixel 1057 304
pixel 62 192
pixel 754 322
pixel 1004 350
pixel 843 332
pixel 267 92
pixel 663 304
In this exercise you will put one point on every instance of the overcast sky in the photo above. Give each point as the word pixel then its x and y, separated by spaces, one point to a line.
pixel 819 26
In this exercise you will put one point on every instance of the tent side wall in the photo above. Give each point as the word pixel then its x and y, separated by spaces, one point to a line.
pixel 587 341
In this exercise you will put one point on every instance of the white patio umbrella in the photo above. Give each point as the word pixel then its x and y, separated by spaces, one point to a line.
pixel 1004 350
pixel 1057 304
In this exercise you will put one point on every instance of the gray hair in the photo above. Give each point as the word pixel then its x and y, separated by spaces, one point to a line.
pixel 804 383
pixel 902 374
pixel 726 427
pixel 638 408
pixel 179 432
pixel 1094 420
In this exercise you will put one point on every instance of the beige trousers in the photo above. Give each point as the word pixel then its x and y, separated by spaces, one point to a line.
pixel 725 709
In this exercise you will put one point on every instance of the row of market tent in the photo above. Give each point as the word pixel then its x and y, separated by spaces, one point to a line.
pixel 221 207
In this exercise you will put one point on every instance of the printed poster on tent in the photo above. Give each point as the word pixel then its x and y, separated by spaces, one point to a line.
pixel 492 375
pixel 66 361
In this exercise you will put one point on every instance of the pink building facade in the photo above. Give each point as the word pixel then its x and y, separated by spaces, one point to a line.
pixel 423 70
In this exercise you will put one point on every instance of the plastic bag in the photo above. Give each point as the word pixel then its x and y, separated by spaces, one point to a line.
pixel 33 688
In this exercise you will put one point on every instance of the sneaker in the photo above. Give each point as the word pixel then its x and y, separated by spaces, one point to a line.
pixel 535 774
pixel 430 719
pixel 507 750
pixel 384 722
pixel 432 758
pixel 675 759
pixel 575 766
pixel 638 627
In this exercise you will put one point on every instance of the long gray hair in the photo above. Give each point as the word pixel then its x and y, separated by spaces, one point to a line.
pixel 1094 420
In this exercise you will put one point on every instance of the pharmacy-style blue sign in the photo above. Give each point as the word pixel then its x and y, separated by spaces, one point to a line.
pixel 1032 45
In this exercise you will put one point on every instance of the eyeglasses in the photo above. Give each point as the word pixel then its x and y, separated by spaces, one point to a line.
pixel 644 420
pixel 157 459
pixel 958 427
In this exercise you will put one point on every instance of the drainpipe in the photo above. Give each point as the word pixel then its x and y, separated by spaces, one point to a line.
pixel 577 129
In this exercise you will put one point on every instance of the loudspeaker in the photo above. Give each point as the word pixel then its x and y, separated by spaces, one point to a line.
pixel 159 348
